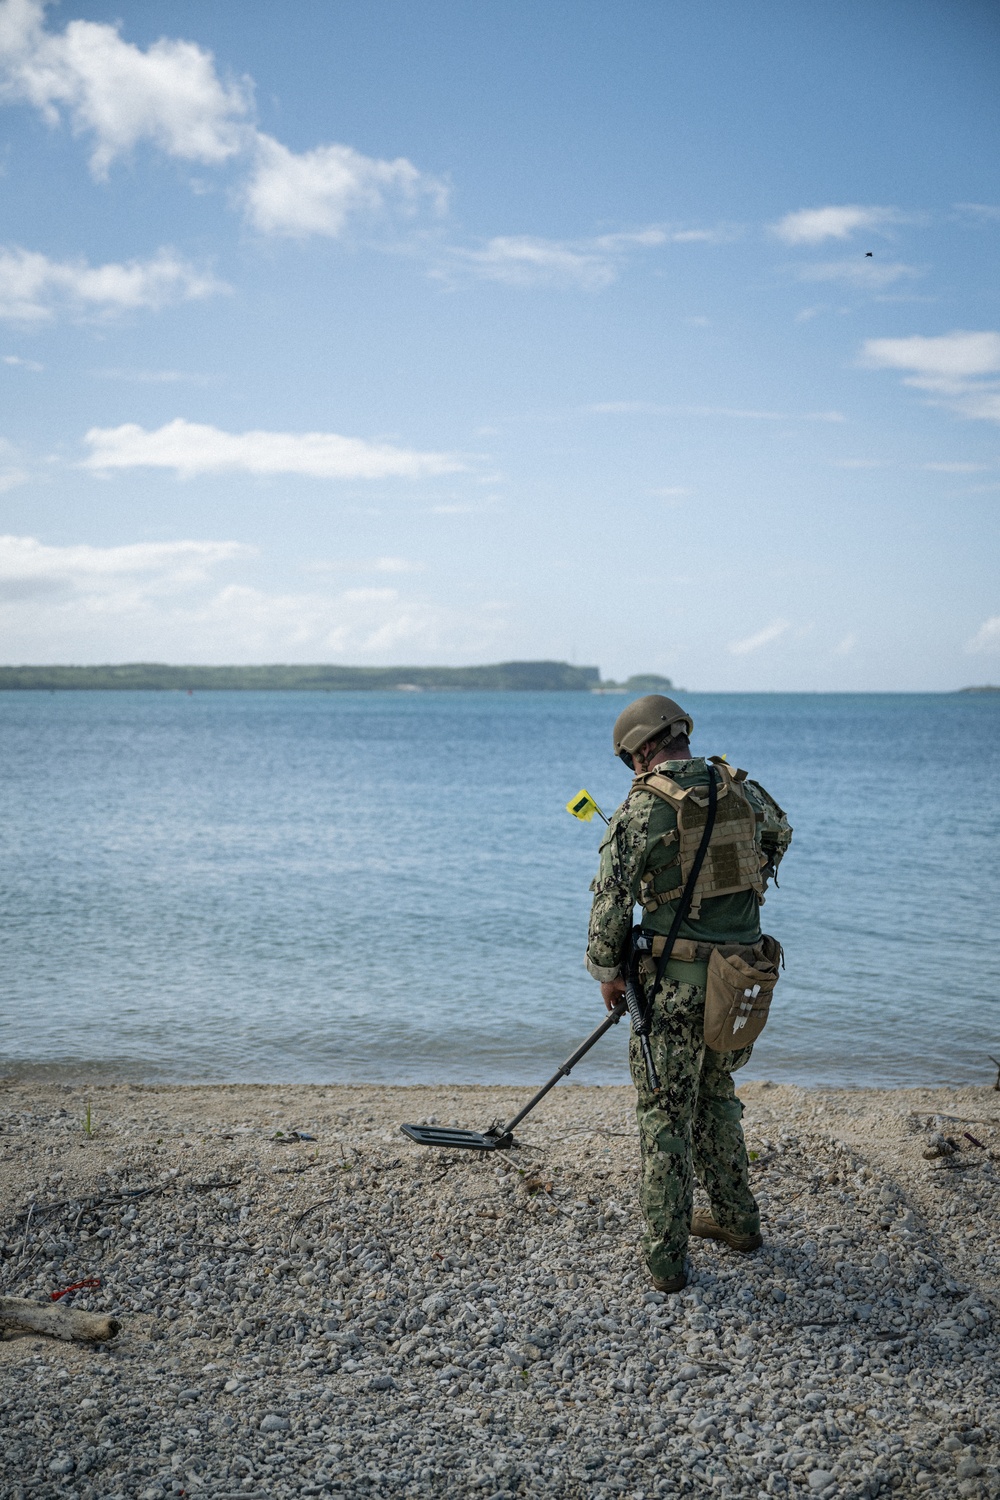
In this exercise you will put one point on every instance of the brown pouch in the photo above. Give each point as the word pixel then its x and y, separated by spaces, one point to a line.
pixel 738 996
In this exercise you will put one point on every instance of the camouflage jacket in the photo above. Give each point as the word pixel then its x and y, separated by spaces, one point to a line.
pixel 634 843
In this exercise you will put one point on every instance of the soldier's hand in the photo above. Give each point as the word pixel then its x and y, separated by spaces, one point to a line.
pixel 611 992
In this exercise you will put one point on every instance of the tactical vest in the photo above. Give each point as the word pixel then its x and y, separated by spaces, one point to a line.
pixel 733 861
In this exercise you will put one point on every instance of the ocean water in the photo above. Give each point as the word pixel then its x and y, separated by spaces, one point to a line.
pixel 345 887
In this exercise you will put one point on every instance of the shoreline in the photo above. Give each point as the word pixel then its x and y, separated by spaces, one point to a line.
pixel 98 1075
pixel 355 1314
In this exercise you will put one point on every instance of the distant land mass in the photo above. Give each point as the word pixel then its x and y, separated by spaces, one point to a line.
pixel 987 687
pixel 505 677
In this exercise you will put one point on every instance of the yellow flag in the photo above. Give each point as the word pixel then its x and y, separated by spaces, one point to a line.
pixel 583 806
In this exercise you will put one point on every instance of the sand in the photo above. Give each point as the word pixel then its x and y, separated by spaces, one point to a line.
pixel 352 1314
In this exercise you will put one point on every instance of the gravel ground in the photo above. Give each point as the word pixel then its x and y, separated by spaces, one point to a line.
pixel 354 1315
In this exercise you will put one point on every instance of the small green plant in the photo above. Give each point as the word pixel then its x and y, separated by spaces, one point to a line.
pixel 88 1132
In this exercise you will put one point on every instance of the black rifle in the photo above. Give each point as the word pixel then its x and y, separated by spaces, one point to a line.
pixel 638 1010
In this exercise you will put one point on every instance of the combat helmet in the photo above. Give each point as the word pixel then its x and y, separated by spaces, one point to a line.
pixel 648 718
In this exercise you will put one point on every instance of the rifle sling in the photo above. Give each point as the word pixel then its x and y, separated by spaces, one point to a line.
pixel 684 904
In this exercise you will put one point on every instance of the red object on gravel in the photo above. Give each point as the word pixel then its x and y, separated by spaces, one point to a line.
pixel 88 1281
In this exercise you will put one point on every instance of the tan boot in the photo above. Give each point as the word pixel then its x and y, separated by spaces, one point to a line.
pixel 670 1283
pixel 705 1228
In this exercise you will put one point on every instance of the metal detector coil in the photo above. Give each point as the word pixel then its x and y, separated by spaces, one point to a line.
pixel 470 1140
pixel 501 1137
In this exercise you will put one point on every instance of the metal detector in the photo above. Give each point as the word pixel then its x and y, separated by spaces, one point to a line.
pixel 500 1137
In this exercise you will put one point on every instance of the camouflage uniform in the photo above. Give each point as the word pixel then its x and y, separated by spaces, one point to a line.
pixel 693 1126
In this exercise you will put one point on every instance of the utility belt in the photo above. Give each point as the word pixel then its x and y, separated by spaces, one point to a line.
pixel 687 951
pixel 738 978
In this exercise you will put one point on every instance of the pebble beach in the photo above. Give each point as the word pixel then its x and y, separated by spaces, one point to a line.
pixel 309 1304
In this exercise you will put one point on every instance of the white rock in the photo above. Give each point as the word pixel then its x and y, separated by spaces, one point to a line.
pixel 435 1305
pixel 273 1423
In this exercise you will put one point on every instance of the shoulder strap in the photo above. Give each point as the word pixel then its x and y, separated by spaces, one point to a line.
pixel 660 786
pixel 728 773
pixel 684 904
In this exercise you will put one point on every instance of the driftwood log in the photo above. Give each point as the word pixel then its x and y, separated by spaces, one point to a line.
pixel 56 1320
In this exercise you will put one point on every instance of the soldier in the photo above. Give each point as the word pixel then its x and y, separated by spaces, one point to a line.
pixel 692 1125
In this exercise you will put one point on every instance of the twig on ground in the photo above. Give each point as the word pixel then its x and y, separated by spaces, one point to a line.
pixel 300 1218
pixel 24 1242
pixel 624 1135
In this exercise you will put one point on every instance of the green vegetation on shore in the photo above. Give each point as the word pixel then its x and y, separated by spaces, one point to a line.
pixel 511 676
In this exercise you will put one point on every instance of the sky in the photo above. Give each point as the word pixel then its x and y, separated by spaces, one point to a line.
pixel 652 336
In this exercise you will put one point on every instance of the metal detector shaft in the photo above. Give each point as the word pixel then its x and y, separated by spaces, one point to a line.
pixel 611 1019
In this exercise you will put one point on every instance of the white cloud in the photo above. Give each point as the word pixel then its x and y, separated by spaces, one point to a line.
pixel 701 236
pixel 950 365
pixel 34 288
pixel 760 638
pixel 315 192
pixel 672 491
pixel 163 601
pixel 525 260
pixel 979 405
pixel 987 637
pixel 115 93
pixel 628 239
pixel 592 263
pixel 845 646
pixel 858 272
pixel 947 356
pixel 27 557
pixel 811 226
pixel 191 448
pixel 171 97
pixel 247 624
pixel 28 567
pixel 662 234
pixel 18 363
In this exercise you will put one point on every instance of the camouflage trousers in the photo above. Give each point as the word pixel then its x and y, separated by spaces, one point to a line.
pixel 691 1128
